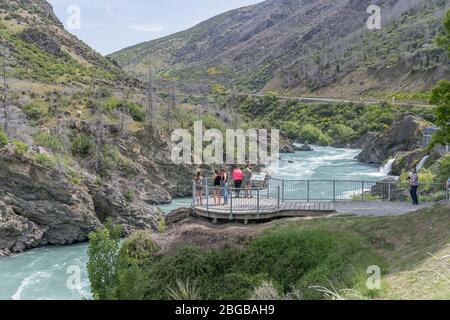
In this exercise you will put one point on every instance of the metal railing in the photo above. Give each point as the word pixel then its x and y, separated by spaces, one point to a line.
pixel 236 200
pixel 355 190
pixel 270 196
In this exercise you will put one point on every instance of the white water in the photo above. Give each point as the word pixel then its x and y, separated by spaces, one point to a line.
pixel 42 273
pixel 387 168
pixel 422 163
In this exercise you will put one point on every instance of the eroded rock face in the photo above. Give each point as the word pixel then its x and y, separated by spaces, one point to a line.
pixel 16 233
pixel 41 40
pixel 41 205
pixel 404 135
pixel 110 201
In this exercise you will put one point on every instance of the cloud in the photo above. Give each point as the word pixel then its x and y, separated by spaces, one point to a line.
pixel 156 27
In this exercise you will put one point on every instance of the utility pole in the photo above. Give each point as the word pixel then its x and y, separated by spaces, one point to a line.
pixel 5 92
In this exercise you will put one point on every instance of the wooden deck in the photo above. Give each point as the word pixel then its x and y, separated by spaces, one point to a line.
pixel 269 208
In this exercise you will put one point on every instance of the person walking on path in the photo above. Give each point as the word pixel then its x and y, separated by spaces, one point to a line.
pixel 414 183
pixel 217 179
pixel 238 176
pixel 198 180
pixel 224 184
pixel 248 181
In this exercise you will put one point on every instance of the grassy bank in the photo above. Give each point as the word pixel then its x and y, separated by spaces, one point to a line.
pixel 299 259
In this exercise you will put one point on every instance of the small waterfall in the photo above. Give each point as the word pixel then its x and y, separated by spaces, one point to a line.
pixel 422 162
pixel 387 168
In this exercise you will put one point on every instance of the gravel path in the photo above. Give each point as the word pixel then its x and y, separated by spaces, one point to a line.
pixel 378 208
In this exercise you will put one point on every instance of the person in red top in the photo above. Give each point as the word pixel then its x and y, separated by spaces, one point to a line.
pixel 238 176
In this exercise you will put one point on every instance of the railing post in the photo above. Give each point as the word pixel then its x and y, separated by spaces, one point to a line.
pixel 282 190
pixel 257 201
pixel 307 191
pixel 194 204
pixel 389 192
pixel 362 190
pixel 207 198
pixel 231 205
pixel 278 197
pixel 334 190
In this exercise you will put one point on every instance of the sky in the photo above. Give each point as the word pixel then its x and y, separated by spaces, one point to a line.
pixel 111 25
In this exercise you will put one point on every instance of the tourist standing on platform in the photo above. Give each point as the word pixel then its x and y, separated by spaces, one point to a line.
pixel 414 183
pixel 198 180
pixel 248 181
pixel 224 185
pixel 238 176
pixel 217 180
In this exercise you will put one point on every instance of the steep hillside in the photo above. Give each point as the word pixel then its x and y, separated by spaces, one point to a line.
pixel 320 47
pixel 75 149
pixel 39 49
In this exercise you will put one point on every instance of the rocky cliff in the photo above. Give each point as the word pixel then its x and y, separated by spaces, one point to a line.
pixel 79 151
pixel 404 135
pixel 41 204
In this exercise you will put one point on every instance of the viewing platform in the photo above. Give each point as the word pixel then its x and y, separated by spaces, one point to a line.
pixel 274 198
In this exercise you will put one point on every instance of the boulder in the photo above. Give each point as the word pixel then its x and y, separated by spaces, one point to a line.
pixel 16 233
pixel 404 135
pixel 178 215
pixel 305 148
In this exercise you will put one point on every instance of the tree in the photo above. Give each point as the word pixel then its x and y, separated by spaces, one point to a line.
pixel 102 265
pixel 440 95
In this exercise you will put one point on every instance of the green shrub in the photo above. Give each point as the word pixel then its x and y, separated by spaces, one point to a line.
pixel 129 196
pixel 139 248
pixel 292 129
pixel 135 110
pixel 341 133
pixel 312 134
pixel 21 148
pixel 50 141
pixel 443 168
pixel 162 225
pixel 36 110
pixel 44 159
pixel 288 258
pixel 76 178
pixel 83 145
pixel 113 160
pixel 3 138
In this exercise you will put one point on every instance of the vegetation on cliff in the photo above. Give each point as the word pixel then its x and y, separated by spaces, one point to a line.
pixel 441 93
pixel 326 123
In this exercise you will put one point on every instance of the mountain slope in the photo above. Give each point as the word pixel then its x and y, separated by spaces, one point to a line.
pixel 303 46
pixel 39 49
